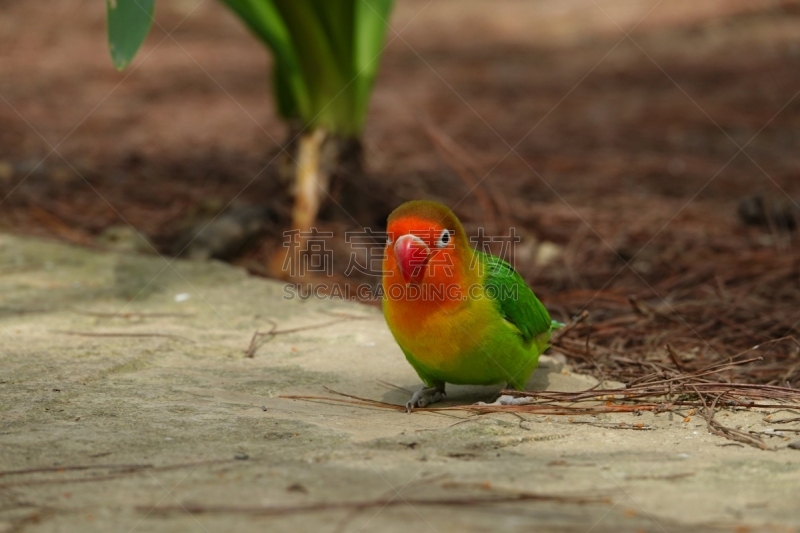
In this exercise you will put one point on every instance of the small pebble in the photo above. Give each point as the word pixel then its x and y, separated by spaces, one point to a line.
pixel 795 445
pixel 263 407
pixel 297 487
pixel 182 297
pixel 241 457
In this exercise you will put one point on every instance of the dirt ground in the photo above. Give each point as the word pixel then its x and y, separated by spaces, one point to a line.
pixel 619 139
pixel 613 136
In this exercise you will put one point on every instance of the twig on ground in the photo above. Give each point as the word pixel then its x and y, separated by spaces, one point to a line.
pixel 68 468
pixel 393 386
pixel 658 395
pixel 129 314
pixel 281 510
pixel 782 421
pixel 117 472
pixel 611 425
pixel 258 339
pixel 122 335
pixel 675 359
pixel 569 327
pixel 718 429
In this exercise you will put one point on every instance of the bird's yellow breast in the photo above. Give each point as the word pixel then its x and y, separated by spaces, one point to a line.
pixel 439 336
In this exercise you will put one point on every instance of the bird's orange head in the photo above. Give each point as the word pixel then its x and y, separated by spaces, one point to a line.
pixel 426 244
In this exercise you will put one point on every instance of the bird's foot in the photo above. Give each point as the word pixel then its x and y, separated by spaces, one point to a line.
pixel 507 399
pixel 425 396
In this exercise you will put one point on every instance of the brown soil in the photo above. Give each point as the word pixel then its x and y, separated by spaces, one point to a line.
pixel 625 151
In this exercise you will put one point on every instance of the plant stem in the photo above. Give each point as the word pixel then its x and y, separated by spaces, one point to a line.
pixel 311 181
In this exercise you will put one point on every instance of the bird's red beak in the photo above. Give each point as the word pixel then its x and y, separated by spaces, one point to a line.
pixel 412 257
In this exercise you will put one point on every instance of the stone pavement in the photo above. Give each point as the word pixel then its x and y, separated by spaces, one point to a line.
pixel 127 404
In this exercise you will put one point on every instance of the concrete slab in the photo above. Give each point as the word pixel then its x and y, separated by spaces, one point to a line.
pixel 127 404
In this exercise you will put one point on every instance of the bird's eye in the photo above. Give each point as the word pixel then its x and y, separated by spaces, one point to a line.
pixel 444 238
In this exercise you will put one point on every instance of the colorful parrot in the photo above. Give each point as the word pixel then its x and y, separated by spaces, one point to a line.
pixel 460 316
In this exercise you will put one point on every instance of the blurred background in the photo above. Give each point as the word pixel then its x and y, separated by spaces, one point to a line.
pixel 646 152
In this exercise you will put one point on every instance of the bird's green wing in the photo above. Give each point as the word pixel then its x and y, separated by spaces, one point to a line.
pixel 516 301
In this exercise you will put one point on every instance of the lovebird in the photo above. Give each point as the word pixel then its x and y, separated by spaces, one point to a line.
pixel 460 316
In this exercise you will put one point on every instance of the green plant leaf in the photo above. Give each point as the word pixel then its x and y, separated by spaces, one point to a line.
pixel 371 22
pixel 284 95
pixel 128 23
pixel 326 56
pixel 266 23
pixel 337 19
pixel 319 68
